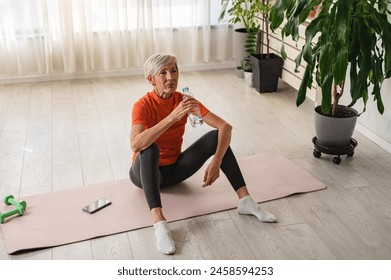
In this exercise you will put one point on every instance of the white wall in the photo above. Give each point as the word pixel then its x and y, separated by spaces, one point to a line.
pixel 371 123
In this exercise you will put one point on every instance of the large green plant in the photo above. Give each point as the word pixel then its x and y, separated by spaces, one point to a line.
pixel 249 13
pixel 242 11
pixel 346 33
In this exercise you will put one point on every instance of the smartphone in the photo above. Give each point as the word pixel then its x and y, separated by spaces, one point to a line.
pixel 97 205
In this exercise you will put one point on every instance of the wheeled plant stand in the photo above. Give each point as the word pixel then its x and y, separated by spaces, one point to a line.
pixel 347 150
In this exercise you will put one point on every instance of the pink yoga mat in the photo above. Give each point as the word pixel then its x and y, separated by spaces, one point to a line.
pixel 57 218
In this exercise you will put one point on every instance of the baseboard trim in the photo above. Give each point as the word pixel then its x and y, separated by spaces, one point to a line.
pixel 374 137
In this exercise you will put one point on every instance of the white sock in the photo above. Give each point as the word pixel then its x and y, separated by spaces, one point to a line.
pixel 248 206
pixel 164 241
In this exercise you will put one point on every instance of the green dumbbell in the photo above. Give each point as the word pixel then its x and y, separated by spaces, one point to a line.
pixel 19 210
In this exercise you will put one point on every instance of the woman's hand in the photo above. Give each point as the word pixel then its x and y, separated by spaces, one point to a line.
pixel 212 172
pixel 224 139
pixel 184 107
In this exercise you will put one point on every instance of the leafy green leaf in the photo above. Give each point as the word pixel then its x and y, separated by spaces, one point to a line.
pixel 346 32
pixel 283 52
pixel 301 93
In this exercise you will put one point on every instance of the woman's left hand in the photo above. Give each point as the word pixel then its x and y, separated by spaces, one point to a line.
pixel 212 172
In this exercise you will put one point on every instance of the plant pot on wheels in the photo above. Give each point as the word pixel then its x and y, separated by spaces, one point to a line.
pixel 267 69
pixel 334 134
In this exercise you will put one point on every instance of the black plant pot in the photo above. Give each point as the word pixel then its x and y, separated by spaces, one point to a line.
pixel 266 71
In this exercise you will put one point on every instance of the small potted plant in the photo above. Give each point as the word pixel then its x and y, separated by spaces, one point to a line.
pixel 243 12
pixel 247 71
pixel 347 36
pixel 266 67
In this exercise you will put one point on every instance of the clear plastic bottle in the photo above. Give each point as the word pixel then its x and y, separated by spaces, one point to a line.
pixel 195 116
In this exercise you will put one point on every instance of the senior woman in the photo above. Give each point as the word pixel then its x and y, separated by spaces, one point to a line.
pixel 158 125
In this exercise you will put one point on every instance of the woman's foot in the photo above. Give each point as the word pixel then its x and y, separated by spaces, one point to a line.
pixel 164 241
pixel 248 206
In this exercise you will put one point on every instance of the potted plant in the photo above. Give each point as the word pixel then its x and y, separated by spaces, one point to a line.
pixel 267 67
pixel 246 66
pixel 347 36
pixel 244 12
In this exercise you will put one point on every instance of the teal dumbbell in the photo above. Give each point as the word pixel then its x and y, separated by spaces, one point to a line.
pixel 20 207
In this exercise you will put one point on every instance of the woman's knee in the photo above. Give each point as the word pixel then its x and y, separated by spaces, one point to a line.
pixel 213 134
pixel 152 152
pixel 211 138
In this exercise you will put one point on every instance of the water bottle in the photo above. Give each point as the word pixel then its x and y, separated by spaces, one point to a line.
pixel 195 115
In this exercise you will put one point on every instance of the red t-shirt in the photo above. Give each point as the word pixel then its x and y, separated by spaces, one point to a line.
pixel 150 110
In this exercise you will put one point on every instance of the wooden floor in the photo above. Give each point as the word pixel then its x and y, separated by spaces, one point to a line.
pixel 56 135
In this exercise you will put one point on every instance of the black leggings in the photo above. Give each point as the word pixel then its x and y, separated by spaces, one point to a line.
pixel 146 173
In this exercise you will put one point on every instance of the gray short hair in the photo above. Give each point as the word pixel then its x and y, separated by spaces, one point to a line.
pixel 156 61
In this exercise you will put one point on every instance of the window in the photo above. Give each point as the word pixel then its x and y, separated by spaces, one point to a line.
pixel 36 17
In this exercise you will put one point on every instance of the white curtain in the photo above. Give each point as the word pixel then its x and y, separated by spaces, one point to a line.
pixel 40 37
